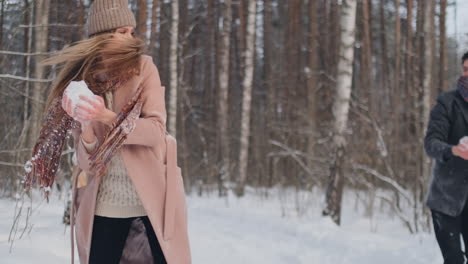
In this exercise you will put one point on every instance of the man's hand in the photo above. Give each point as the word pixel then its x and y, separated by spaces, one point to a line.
pixel 460 150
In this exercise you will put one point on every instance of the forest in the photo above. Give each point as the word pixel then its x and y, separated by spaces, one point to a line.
pixel 331 95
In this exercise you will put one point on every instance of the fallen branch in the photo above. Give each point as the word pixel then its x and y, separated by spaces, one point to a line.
pixel 21 78
pixel 7 52
pixel 386 179
pixel 398 212
pixel 51 25
pixel 294 154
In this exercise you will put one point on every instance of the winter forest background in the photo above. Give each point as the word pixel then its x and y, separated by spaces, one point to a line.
pixel 295 101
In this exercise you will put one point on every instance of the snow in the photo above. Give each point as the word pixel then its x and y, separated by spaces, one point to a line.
pixel 74 90
pixel 28 166
pixel 253 229
pixel 464 140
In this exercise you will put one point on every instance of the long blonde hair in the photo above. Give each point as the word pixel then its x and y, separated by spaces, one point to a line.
pixel 100 53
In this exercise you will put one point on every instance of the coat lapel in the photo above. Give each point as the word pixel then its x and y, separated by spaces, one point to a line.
pixel 463 106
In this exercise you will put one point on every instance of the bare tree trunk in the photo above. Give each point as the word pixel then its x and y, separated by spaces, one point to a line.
pixel 312 81
pixel 247 96
pixel 20 157
pixel 154 23
pixel 419 44
pixel 366 53
pixel 210 82
pixel 173 68
pixel 292 71
pixel 142 18
pixel 164 42
pixel 1 22
pixel 384 55
pixel 409 63
pixel 341 110
pixel 396 89
pixel 270 87
pixel 397 71
pixel 223 102
pixel 428 83
pixel 443 85
pixel 81 18
pixel 242 29
pixel 39 92
pixel 334 41
pixel 28 20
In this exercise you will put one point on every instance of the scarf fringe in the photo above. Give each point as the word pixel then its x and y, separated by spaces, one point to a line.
pixel 43 166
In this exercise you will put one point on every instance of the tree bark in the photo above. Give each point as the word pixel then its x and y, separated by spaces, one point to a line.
pixel 154 23
pixel 39 92
pixel 443 84
pixel 81 18
pixel 247 96
pixel 223 102
pixel 2 12
pixel 366 53
pixel 428 83
pixel 312 78
pixel 383 52
pixel 142 18
pixel 341 110
pixel 396 89
pixel 270 87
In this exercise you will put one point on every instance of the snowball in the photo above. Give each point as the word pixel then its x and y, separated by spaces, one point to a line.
pixel 464 140
pixel 73 92
pixel 28 166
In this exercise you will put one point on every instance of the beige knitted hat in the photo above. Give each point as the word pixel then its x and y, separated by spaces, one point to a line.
pixel 105 15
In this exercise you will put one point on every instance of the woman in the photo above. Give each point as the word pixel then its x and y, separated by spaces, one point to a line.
pixel 129 205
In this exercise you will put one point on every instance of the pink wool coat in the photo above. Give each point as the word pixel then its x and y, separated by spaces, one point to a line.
pixel 150 157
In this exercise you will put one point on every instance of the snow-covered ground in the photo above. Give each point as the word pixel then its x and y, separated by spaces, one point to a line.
pixel 253 229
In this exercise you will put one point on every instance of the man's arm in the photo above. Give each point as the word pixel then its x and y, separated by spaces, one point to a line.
pixel 438 129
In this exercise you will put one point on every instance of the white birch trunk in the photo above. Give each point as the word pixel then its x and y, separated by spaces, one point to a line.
pixel 223 105
pixel 341 109
pixel 247 96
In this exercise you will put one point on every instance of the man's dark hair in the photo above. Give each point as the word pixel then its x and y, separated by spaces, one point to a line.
pixel 465 57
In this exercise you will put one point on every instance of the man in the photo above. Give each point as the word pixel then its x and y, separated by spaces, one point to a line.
pixel 448 123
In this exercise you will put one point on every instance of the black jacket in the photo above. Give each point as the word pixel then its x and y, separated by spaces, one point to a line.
pixel 448 123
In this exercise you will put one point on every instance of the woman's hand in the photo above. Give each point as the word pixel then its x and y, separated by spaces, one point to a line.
pixel 67 104
pixel 86 110
pixel 90 109
pixel 93 109
pixel 87 132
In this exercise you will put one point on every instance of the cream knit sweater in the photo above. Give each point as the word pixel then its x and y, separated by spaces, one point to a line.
pixel 117 196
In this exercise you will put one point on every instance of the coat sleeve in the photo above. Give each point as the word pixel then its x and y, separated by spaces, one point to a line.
pixel 150 127
pixel 82 154
pixel 436 139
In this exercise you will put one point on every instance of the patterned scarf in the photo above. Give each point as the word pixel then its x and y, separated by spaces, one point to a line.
pixel 462 87
pixel 57 124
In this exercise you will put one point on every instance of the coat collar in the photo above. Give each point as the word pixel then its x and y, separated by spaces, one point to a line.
pixel 462 105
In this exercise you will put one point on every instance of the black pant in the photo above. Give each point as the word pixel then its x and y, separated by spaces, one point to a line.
pixel 448 230
pixel 109 236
